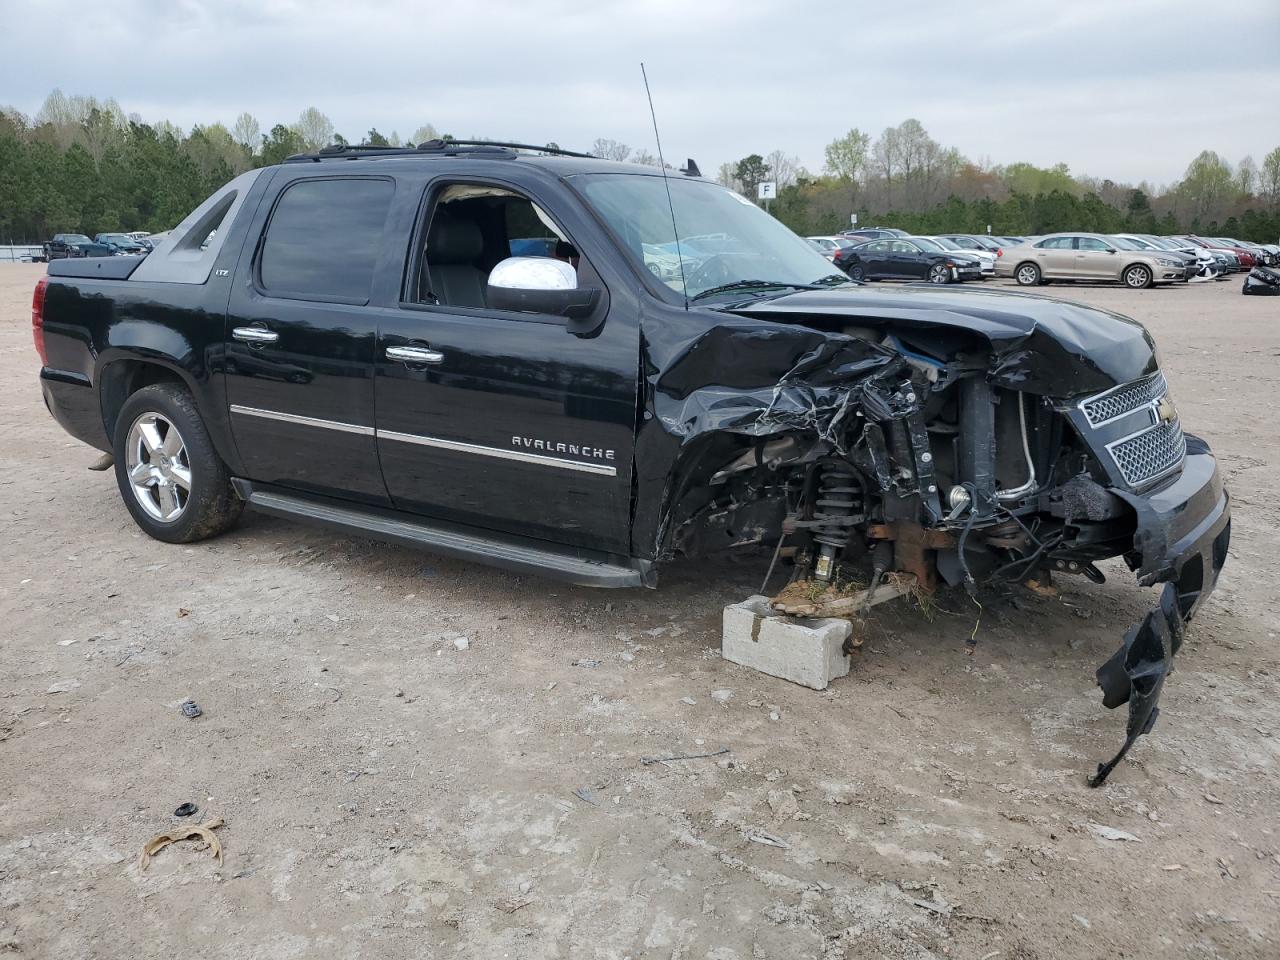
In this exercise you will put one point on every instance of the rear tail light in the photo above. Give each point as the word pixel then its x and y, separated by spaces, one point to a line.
pixel 999 252
pixel 37 318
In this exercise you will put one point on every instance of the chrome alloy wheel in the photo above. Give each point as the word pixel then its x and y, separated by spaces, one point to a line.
pixel 158 468
pixel 939 274
pixel 1137 277
pixel 1027 275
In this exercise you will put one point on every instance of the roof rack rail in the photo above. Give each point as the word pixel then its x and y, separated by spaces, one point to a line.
pixel 557 151
pixel 449 148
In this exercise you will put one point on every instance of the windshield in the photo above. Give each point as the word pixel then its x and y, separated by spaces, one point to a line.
pixel 1122 244
pixel 986 243
pixel 725 239
pixel 924 243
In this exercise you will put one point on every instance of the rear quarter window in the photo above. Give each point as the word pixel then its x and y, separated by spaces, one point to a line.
pixel 324 239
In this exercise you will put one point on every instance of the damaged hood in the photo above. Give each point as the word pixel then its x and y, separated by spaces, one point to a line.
pixel 1041 345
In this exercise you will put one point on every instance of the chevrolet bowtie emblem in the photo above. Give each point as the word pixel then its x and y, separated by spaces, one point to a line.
pixel 1166 411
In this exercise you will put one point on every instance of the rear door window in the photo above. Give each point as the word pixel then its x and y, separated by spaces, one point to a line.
pixel 324 239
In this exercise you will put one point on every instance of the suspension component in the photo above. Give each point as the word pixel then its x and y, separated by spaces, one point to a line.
pixel 837 508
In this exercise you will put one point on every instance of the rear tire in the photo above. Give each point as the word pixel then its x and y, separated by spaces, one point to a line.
pixel 858 273
pixel 1027 275
pixel 1138 277
pixel 171 479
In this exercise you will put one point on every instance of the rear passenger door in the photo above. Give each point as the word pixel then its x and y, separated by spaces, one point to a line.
pixel 1057 257
pixel 300 335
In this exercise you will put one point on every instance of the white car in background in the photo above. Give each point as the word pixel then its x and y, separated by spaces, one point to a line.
pixel 986 259
pixel 828 246
pixel 1207 265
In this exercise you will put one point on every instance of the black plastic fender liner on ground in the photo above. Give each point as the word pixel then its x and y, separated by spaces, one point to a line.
pixel 1262 282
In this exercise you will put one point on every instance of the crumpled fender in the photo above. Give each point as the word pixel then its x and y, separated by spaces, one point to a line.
pixel 708 376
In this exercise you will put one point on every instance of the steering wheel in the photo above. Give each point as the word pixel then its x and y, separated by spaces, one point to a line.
pixel 712 272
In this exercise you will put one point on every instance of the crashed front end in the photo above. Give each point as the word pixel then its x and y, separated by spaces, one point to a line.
pixel 957 437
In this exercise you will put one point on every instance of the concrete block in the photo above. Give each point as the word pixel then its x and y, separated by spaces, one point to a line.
pixel 807 652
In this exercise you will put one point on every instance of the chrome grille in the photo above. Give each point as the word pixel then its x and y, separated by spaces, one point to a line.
pixel 1122 400
pixel 1150 454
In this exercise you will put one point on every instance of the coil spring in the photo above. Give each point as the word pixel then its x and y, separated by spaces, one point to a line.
pixel 838 505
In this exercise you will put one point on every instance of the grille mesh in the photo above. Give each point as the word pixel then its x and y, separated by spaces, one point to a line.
pixel 1150 453
pixel 1117 403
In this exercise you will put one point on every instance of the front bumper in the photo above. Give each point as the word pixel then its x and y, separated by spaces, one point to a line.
pixel 1183 532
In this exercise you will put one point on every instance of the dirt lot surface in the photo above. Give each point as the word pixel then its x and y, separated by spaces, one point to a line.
pixel 387 794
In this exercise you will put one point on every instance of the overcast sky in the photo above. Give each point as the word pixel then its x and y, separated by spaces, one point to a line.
pixel 1129 90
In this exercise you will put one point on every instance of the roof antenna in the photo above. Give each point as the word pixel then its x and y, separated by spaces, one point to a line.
pixel 666 183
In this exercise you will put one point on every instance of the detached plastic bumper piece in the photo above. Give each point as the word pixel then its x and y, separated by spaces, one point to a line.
pixel 1183 534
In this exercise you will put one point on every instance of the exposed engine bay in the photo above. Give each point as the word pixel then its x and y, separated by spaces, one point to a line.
pixel 999 450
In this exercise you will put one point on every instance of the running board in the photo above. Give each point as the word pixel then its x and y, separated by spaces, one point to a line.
pixel 586 568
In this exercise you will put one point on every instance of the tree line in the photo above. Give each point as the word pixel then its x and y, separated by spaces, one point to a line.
pixel 82 165
pixel 905 178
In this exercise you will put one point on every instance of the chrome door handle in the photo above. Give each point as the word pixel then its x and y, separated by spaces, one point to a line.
pixel 255 335
pixel 415 354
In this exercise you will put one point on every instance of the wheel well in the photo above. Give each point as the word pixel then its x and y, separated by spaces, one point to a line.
pixel 122 379
pixel 1026 263
pixel 1138 263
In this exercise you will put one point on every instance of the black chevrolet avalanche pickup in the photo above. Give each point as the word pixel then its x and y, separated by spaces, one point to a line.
pixel 583 368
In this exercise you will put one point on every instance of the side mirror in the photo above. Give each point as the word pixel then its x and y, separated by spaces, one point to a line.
pixel 1111 249
pixel 540 285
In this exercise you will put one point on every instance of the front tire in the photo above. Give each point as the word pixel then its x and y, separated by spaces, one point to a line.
pixel 1138 277
pixel 171 479
pixel 939 273
pixel 1027 275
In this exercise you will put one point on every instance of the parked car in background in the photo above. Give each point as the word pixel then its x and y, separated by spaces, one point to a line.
pixel 121 244
pixel 899 258
pixel 828 246
pixel 1243 254
pixel 1206 264
pixel 872 233
pixel 1188 261
pixel 986 259
pixel 1222 254
pixel 1259 253
pixel 970 244
pixel 1088 256
pixel 64 245
pixel 1237 256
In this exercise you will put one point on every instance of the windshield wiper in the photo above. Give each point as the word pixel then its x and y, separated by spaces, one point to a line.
pixel 751 284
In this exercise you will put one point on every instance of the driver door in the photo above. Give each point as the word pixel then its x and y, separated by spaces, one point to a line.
pixel 1095 260
pixel 499 419
pixel 875 257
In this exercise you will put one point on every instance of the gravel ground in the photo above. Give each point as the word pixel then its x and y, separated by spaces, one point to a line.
pixel 388 794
